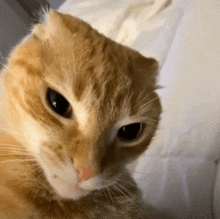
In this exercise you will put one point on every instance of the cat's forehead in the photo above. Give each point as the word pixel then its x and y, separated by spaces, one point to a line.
pixel 67 50
pixel 75 55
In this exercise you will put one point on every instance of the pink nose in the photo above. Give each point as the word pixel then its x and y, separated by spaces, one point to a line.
pixel 85 173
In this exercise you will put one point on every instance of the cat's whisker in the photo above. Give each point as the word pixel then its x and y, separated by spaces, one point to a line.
pixel 34 165
pixel 8 131
pixel 9 70
pixel 3 59
pixel 13 149
pixel 52 154
pixel 17 160
pixel 129 195
pixel 10 153
pixel 11 146
pixel 132 195
pixel 36 168
pixel 109 192
pixel 15 146
pixel 62 206
pixel 48 151
pixel 103 191
pixel 112 190
pixel 135 171
pixel 13 154
pixel 122 192
pixel 126 190
pixel 129 183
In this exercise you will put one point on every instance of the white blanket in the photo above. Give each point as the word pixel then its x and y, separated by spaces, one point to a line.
pixel 182 172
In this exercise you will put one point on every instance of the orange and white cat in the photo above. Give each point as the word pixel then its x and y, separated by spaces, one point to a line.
pixel 77 109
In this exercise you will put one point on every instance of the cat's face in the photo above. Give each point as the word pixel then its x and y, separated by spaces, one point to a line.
pixel 84 105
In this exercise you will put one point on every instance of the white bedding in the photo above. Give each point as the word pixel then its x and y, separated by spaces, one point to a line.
pixel 181 165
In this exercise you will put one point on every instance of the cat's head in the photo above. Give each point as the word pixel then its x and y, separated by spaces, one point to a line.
pixel 84 105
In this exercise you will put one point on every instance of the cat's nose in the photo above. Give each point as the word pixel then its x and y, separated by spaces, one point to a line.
pixel 85 171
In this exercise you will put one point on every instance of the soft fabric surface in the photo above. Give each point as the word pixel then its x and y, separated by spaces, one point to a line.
pixel 182 173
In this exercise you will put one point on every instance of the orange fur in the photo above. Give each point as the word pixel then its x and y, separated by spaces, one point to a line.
pixel 105 83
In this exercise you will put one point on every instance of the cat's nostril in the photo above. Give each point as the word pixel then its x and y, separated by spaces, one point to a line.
pixel 71 159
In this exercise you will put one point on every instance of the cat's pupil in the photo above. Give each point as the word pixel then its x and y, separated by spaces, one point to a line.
pixel 130 132
pixel 58 103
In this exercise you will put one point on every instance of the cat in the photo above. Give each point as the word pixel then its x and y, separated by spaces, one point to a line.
pixel 77 108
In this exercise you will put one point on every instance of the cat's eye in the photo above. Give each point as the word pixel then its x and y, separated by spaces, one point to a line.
pixel 130 132
pixel 58 103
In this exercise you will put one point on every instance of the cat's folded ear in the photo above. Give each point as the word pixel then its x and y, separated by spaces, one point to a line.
pixel 54 23
pixel 50 24
pixel 147 70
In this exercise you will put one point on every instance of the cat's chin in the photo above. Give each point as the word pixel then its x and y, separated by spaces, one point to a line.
pixel 97 183
pixel 67 189
pixel 70 190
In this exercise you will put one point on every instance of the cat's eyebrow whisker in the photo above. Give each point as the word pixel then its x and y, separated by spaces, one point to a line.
pixel 146 104
pixel 143 97
pixel 146 107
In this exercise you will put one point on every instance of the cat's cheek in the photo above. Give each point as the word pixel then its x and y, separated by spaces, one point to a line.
pixel 33 136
